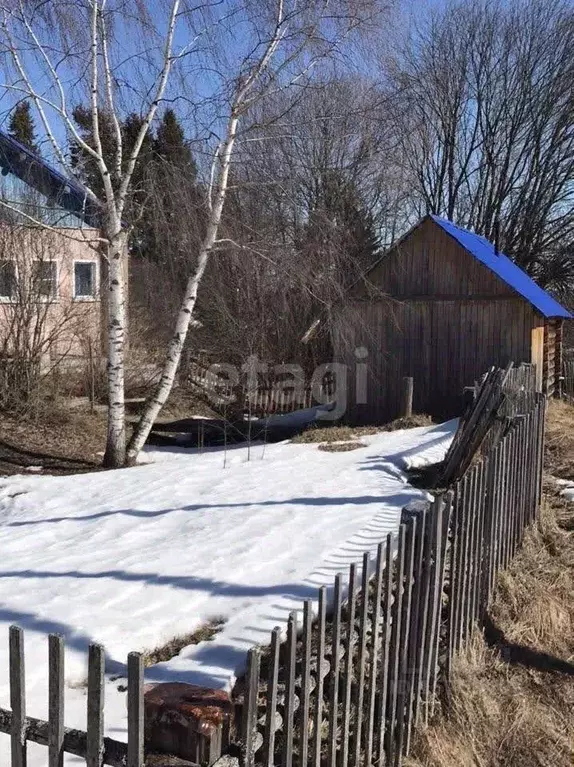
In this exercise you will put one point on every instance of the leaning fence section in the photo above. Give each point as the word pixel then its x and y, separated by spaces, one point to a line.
pixel 348 687
pixel 58 740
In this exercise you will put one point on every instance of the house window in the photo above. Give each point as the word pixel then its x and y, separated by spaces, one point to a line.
pixel 84 279
pixel 45 279
pixel 7 279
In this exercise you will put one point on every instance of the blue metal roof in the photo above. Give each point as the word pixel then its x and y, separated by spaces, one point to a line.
pixel 485 252
pixel 67 193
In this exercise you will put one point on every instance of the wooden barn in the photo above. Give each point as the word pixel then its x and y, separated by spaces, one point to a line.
pixel 442 305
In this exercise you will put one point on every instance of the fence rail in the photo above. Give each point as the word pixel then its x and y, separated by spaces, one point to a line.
pixel 349 690
pixel 91 744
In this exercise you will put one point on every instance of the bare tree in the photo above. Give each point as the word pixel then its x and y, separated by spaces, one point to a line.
pixel 119 57
pixel 483 105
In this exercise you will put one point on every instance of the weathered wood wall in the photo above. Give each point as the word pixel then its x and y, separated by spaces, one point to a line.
pixel 431 311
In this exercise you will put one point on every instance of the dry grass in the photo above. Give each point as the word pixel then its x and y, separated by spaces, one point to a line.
pixel 340 447
pixel 512 703
pixel 61 439
pixel 559 458
pixel 175 645
pixel 351 433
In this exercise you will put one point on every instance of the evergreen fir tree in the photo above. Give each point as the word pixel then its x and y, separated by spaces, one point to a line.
pixel 170 144
pixel 21 126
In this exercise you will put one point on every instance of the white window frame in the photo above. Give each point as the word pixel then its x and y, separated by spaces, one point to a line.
pixel 55 296
pixel 11 299
pixel 93 261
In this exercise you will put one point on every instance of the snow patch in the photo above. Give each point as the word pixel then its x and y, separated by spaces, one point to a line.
pixel 134 557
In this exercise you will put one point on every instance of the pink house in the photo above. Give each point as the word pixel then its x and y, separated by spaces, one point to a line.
pixel 50 277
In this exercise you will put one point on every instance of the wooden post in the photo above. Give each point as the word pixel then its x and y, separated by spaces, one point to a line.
pixel 135 711
pixel 17 697
pixel 407 405
pixel 56 700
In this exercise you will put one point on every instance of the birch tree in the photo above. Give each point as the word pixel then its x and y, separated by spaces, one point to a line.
pixel 218 57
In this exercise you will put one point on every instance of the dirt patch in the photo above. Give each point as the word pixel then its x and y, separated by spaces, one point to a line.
pixel 175 645
pixel 60 441
pixel 511 701
pixel 340 447
pixel 351 433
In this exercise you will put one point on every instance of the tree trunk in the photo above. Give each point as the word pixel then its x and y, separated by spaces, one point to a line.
pixel 184 316
pixel 116 317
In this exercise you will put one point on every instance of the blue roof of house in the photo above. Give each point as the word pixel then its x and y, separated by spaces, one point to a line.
pixel 485 252
pixel 68 193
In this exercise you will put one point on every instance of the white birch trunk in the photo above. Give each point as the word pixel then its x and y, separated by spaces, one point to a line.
pixel 185 314
pixel 116 317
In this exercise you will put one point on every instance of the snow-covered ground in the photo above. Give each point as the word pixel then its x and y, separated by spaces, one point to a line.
pixel 134 557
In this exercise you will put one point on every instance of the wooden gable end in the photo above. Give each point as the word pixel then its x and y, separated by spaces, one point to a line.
pixel 429 263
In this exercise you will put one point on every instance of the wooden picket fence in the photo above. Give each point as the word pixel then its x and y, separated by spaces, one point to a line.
pixel 270 395
pixel 58 739
pixel 348 690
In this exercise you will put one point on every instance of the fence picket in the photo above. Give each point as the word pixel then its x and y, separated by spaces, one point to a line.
pixel 433 624
pixel 95 728
pixel 55 700
pixel 361 659
pixel 334 672
pixel 17 697
pixel 375 642
pixel 135 711
pixel 305 684
pixel 348 664
pixel 291 649
pixel 271 712
pixel 405 620
pixel 395 647
pixel 249 713
pixel 318 714
pixel 385 646
pixel 415 636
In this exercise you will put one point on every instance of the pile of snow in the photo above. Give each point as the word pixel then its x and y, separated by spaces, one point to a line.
pixel 134 557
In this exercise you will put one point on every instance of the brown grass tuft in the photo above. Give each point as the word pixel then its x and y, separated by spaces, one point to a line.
pixel 340 447
pixel 175 645
pixel 350 433
pixel 508 704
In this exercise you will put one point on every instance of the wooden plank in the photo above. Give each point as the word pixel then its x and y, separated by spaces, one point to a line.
pixel 249 713
pixel 395 647
pixel 373 668
pixel 334 673
pixel 453 564
pixel 95 729
pixel 441 563
pixel 434 602
pixel 348 663
pixel 405 671
pixel 17 697
pixel 361 661
pixel 415 638
pixel 305 683
pixel 271 710
pixel 462 500
pixel 135 711
pixel 56 700
pixel 467 575
pixel 385 646
pixel 318 713
pixel 483 468
pixel 290 672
